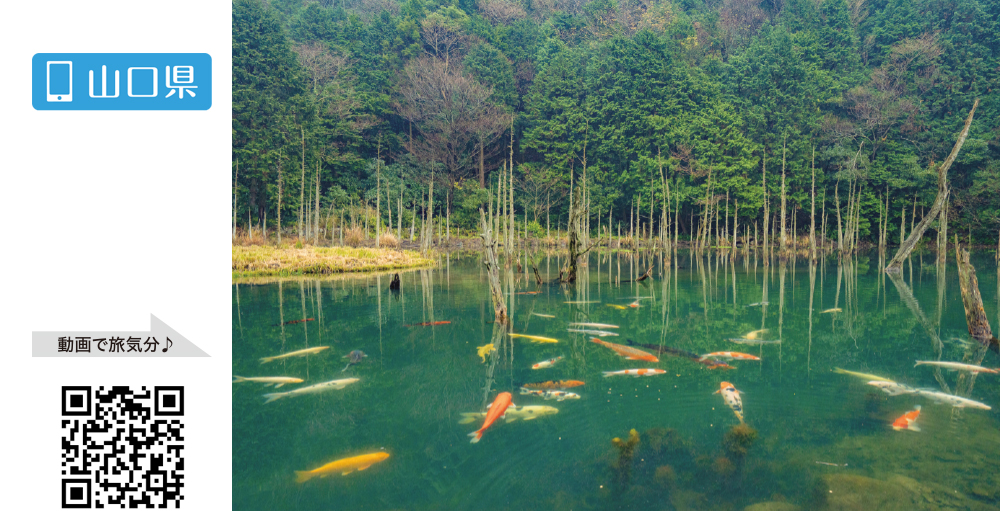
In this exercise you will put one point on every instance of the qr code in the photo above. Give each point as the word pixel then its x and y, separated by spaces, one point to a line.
pixel 122 447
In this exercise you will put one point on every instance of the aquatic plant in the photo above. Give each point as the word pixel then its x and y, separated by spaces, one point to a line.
pixel 388 240
pixel 623 467
pixel 665 475
pixel 738 440
pixel 723 466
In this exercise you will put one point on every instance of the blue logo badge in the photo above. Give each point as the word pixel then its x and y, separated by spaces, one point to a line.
pixel 121 81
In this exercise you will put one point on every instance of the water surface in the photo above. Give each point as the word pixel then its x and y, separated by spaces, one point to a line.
pixel 418 380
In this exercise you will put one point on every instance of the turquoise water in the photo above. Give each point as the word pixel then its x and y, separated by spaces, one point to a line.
pixel 418 380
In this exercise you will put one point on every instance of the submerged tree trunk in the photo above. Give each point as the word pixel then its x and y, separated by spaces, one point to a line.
pixel 576 215
pixel 904 250
pixel 783 240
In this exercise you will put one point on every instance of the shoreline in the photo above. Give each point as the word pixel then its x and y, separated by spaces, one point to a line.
pixel 250 261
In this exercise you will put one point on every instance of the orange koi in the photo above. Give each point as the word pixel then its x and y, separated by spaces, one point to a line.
pixel 561 384
pixel 627 352
pixel 430 323
pixel 497 410
pixel 908 420
pixel 529 293
pixel 729 355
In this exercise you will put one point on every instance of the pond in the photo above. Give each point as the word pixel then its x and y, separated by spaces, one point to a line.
pixel 813 438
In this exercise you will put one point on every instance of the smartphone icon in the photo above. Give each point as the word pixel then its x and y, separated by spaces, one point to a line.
pixel 59 81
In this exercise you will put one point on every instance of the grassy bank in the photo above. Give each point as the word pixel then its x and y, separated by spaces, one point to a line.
pixel 256 261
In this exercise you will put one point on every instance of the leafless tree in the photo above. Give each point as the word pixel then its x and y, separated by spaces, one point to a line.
pixel 740 20
pixel 450 111
pixel 321 63
pixel 442 38
pixel 501 12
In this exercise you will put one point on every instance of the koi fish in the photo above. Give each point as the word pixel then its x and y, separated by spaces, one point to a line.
pixel 529 293
pixel 549 316
pixel 561 384
pixel 627 352
pixel 497 409
pixel 483 350
pixel 277 381
pixel 559 395
pixel 866 376
pixel 837 309
pixel 732 398
pixel 355 358
pixel 948 399
pixel 755 333
pixel 430 323
pixel 634 372
pixel 594 325
pixel 312 389
pixel 299 353
pixel 892 388
pixel 755 342
pixel 908 420
pixel 619 307
pixel 547 363
pixel 599 333
pixel 677 352
pixel 728 355
pixel 344 466
pixel 528 413
pixel 758 304
pixel 296 321
pixel 537 339
pixel 956 366
pixel 635 304
pixel 532 392
pixel 831 464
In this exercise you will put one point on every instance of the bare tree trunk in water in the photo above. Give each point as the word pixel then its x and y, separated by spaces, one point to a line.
pixel 783 239
pixel 492 268
pixel 975 316
pixel 904 250
pixel 573 230
pixel 943 235
pixel 812 218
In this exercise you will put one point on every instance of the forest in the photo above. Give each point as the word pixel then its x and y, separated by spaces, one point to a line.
pixel 664 116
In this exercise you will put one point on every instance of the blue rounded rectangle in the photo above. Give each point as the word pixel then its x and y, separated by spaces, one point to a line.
pixel 121 81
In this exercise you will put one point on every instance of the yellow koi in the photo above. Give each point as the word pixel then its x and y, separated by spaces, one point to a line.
pixel 344 466
pixel 536 338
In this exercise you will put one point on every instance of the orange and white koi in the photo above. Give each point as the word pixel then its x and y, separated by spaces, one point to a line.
pixel 532 392
pixel 497 410
pixel 547 363
pixel 561 384
pixel 908 420
pixel 627 351
pixel 728 355
pixel 732 398
pixel 593 325
pixel 634 372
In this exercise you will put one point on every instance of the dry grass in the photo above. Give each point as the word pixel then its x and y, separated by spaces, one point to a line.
pixel 388 240
pixel 249 261
pixel 354 236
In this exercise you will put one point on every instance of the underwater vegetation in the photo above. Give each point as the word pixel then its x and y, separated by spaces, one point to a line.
pixel 623 467
pixel 738 441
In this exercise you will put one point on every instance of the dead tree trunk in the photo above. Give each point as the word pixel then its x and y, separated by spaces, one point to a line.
pixel 975 316
pixel 646 275
pixel 576 214
pixel 904 250
pixel 492 268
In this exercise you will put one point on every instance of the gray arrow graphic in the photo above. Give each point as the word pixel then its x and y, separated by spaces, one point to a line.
pixel 159 341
